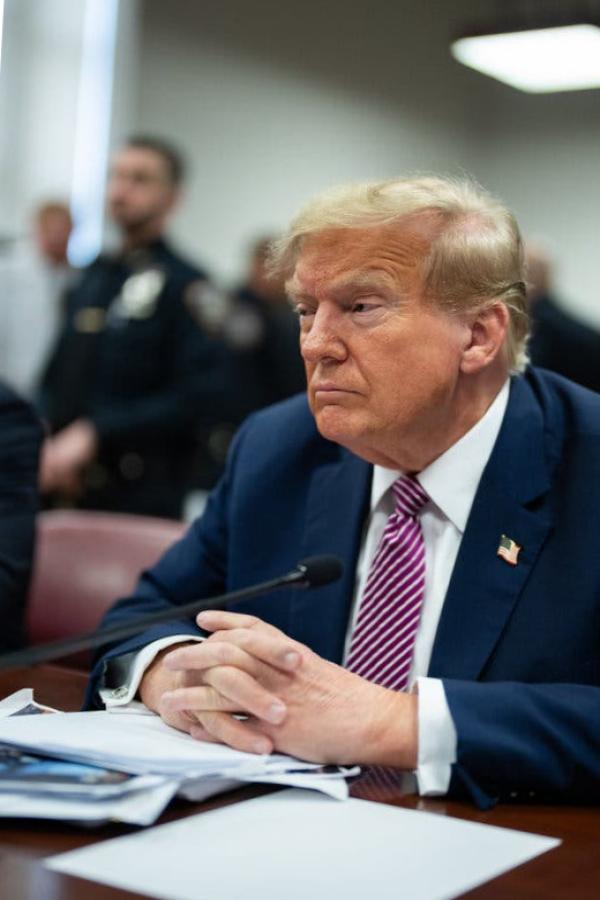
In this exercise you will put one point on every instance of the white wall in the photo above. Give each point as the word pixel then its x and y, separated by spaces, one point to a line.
pixel 39 92
pixel 38 103
pixel 267 119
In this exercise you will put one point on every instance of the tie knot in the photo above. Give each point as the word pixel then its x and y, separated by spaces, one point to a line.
pixel 409 495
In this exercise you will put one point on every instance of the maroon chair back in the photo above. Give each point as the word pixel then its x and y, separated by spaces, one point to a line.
pixel 84 561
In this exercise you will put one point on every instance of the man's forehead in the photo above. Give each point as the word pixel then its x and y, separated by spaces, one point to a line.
pixel 139 159
pixel 392 250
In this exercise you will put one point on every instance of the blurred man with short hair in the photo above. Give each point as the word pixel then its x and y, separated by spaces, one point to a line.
pixel 133 376
pixel 34 280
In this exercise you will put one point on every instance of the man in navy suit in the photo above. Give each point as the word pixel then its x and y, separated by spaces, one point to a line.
pixel 20 439
pixel 411 301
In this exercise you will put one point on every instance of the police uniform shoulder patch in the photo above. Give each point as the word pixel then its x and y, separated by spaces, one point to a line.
pixel 209 306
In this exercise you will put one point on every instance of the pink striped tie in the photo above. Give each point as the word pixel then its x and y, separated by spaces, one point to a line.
pixel 383 640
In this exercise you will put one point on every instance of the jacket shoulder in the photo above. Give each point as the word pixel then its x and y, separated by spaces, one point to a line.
pixel 566 407
pixel 282 437
pixel 181 268
pixel 21 434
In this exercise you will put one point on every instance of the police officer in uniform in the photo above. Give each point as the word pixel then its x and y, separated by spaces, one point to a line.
pixel 133 376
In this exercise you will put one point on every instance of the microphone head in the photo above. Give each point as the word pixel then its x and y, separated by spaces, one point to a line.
pixel 320 570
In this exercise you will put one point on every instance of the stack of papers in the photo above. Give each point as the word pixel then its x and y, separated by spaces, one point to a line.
pixel 127 767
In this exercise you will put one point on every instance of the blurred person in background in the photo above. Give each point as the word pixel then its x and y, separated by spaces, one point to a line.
pixel 261 332
pixel 558 341
pixel 34 279
pixel 279 366
pixel 20 439
pixel 132 374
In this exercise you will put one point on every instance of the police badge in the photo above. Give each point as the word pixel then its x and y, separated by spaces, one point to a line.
pixel 139 295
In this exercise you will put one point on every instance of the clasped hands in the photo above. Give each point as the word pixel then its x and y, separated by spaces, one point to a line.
pixel 255 689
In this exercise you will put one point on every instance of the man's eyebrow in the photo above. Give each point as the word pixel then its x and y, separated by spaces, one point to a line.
pixel 359 281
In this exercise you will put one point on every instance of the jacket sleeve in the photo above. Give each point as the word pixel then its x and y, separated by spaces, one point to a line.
pixel 525 741
pixel 20 439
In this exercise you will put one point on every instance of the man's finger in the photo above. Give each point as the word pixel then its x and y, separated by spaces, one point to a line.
pixel 246 694
pixel 207 698
pixel 214 619
pixel 193 700
pixel 207 654
pixel 230 731
pixel 229 690
pixel 239 647
pixel 275 649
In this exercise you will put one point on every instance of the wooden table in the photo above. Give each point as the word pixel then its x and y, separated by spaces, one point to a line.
pixel 570 871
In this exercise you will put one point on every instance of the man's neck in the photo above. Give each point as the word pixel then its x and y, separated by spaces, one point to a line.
pixel 476 397
pixel 137 238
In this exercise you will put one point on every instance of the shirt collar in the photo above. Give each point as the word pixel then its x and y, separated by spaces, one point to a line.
pixel 451 480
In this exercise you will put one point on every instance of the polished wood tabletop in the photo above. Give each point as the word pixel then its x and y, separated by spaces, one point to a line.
pixel 572 870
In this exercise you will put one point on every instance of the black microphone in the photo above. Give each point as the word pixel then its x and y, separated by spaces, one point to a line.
pixel 314 571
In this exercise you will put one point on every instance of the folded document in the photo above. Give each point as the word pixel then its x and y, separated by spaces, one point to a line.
pixel 151 758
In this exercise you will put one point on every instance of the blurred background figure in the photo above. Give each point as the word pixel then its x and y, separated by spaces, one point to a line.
pixel 279 366
pixel 20 439
pixel 260 330
pixel 558 341
pixel 34 278
pixel 132 375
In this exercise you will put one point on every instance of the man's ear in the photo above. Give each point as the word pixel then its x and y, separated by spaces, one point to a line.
pixel 487 335
pixel 173 201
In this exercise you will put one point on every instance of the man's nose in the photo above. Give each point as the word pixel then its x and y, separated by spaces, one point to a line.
pixel 322 338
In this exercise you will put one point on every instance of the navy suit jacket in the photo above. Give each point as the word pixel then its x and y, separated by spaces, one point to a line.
pixel 517 647
pixel 20 439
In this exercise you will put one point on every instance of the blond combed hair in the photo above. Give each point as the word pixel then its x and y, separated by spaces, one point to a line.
pixel 474 255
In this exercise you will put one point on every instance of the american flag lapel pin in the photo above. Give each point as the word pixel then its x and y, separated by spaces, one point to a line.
pixel 508 550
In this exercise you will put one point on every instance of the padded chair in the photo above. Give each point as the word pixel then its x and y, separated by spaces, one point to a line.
pixel 84 561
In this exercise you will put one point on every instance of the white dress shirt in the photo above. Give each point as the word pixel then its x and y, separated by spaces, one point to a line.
pixel 451 483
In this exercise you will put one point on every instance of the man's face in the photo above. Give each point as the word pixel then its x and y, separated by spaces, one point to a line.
pixel 52 232
pixel 140 191
pixel 382 363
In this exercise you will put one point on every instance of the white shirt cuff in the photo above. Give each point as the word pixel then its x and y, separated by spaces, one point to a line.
pixel 437 738
pixel 123 694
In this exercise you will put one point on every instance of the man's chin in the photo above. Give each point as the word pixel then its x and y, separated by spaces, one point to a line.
pixel 334 424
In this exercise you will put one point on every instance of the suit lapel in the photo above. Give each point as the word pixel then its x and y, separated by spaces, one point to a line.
pixel 512 499
pixel 337 504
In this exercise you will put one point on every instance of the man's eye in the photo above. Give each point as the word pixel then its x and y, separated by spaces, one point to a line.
pixel 361 307
pixel 302 312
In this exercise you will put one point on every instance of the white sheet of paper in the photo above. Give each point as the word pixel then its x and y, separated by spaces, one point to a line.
pixel 296 844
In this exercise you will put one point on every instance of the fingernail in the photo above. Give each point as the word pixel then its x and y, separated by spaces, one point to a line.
pixel 276 712
pixel 203 616
pixel 291 659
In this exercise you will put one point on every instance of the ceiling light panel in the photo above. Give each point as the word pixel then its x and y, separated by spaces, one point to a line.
pixel 544 60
